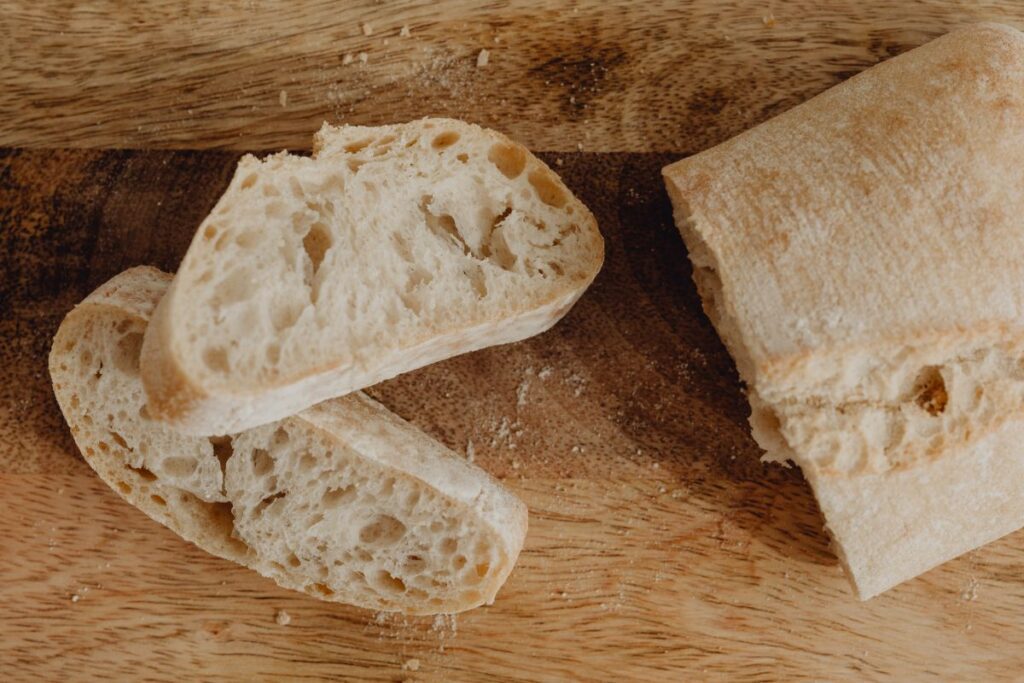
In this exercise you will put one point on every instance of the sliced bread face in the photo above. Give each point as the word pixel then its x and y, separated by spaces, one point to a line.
pixel 390 248
pixel 345 501
pixel 862 257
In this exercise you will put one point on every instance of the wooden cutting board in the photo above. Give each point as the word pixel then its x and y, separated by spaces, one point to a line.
pixel 659 547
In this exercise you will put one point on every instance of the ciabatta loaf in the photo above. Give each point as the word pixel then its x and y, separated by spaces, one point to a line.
pixel 389 249
pixel 344 501
pixel 862 256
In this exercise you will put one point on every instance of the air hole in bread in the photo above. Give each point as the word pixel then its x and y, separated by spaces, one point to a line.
pixel 144 473
pixel 270 190
pixel 321 589
pixel 159 500
pixel 358 145
pixel 547 187
pixel 509 159
pixel 414 564
pixel 354 164
pixel 316 243
pixel 295 186
pixel 284 315
pixel 273 353
pixel 436 527
pixel 471 596
pixel 293 560
pixel 119 440
pixel 223 449
pixel 335 498
pixel 124 487
pixel 412 499
pixel 126 354
pixel 210 232
pixel 248 239
pixel 216 359
pixel 386 581
pixel 249 181
pixel 463 157
pixel 179 466
pixel 445 140
pixel 459 562
pixel 307 463
pixel 482 569
pixel 930 391
pixel 266 502
pixel 449 546
pixel 280 437
pixel 262 463
pixel 478 280
pixel 382 531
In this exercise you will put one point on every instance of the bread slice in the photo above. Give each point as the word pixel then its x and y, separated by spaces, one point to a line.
pixel 390 249
pixel 345 501
pixel 862 257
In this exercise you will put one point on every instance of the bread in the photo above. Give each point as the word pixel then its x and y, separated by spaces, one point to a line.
pixel 862 257
pixel 345 501
pixel 391 248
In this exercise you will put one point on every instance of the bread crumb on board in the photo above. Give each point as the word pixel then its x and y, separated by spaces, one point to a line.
pixel 363 57
pixel 411 665
pixel 283 98
pixel 483 58
pixel 405 32
pixel 367 29
pixel 282 618
pixel 768 20
pixel 347 59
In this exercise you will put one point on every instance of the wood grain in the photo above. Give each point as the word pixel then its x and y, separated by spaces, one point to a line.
pixel 659 547
pixel 599 75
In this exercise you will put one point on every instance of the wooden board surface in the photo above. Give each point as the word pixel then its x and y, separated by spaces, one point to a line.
pixel 607 75
pixel 659 547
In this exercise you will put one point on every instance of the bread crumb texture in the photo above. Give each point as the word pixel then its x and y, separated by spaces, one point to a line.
pixel 345 502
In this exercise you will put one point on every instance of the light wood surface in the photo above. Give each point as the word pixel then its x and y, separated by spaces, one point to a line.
pixel 659 547
pixel 607 75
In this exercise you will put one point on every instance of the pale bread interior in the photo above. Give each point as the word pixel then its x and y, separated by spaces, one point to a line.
pixel 389 248
pixel 346 502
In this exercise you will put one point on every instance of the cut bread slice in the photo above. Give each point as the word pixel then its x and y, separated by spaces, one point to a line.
pixel 862 258
pixel 389 249
pixel 345 501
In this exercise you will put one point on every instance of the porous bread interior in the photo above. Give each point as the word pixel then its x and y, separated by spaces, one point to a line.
pixel 873 410
pixel 287 500
pixel 314 508
pixel 385 238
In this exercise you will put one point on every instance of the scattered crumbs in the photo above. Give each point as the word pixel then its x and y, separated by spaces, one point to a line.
pixel 282 618
pixel 367 29
pixel 380 618
pixel 483 58
pixel 470 451
pixel 662 489
pixel 768 20
pixel 577 383
pixel 515 465
pixel 405 32
pixel 656 465
pixel 60 492
pixel 559 161
pixel 384 42
pixel 283 98
pixel 572 99
pixel 445 624
pixel 545 372
pixel 363 57
pixel 76 597
pixel 523 389
pixel 411 665
pixel 579 146
pixel 970 592
pixel 348 59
